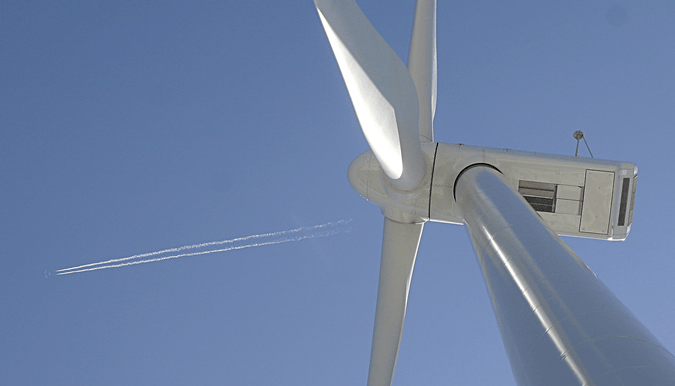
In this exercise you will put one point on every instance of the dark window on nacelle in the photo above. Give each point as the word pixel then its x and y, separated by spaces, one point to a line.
pixel 632 201
pixel 624 201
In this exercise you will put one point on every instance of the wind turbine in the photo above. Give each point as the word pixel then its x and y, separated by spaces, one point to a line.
pixel 559 323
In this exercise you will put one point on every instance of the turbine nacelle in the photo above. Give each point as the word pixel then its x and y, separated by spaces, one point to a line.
pixel 579 197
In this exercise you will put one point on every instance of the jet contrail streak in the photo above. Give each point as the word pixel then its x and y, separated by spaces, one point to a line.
pixel 315 231
pixel 178 249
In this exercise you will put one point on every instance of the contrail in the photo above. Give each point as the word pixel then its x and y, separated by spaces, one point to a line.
pixel 178 249
pixel 259 240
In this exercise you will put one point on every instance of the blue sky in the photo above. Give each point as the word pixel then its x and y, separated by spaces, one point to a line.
pixel 128 128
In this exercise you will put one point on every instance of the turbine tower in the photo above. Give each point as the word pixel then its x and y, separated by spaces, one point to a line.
pixel 559 323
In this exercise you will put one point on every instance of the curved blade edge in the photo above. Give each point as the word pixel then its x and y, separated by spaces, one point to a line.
pixel 423 65
pixel 399 251
pixel 381 89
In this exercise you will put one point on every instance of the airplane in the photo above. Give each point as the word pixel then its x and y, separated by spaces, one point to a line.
pixel 560 324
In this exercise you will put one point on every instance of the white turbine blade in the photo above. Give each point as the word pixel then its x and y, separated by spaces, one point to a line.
pixel 399 250
pixel 381 89
pixel 422 64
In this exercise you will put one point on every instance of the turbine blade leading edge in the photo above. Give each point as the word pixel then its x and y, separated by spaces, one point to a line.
pixel 381 89
pixel 399 250
pixel 423 64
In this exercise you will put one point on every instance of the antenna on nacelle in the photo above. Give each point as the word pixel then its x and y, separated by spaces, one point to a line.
pixel 579 135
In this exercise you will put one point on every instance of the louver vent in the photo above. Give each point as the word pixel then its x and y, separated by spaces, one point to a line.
pixel 540 195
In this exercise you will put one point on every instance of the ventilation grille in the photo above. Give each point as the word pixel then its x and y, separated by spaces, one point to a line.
pixel 540 195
